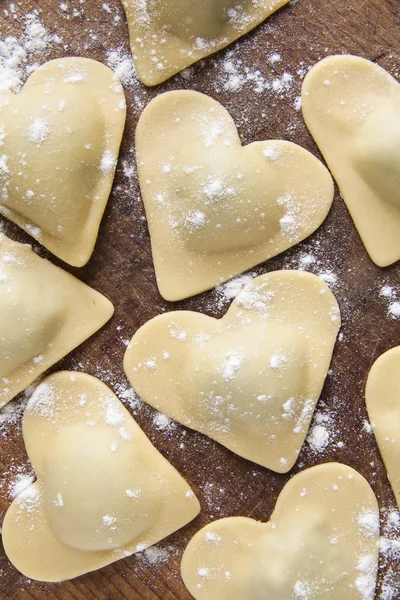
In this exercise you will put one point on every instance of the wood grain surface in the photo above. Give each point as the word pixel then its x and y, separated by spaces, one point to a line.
pixel 121 268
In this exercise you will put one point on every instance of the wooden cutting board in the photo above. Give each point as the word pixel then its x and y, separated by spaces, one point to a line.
pixel 121 268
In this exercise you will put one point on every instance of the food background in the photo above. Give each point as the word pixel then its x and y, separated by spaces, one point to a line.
pixel 262 93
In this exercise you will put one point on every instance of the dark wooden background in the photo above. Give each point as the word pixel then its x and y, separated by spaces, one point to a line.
pixel 121 268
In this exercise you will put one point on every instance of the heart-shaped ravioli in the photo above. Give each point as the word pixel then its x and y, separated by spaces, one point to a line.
pixel 168 36
pixel 44 314
pixel 103 491
pixel 320 544
pixel 250 380
pixel 59 144
pixel 382 396
pixel 214 207
pixel 352 108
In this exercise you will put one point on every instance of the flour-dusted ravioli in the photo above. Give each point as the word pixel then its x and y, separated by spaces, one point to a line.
pixel 321 543
pixel 250 380
pixel 167 36
pixel 44 314
pixel 59 144
pixel 382 397
pixel 214 207
pixel 103 491
pixel 352 108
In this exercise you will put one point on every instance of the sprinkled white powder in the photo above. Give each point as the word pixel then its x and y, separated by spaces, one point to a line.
pixel 212 131
pixel 302 590
pixel 109 521
pixel 2 134
pixel 298 103
pixel 393 520
pixel 254 299
pixel 19 485
pixel 75 78
pixel 37 233
pixel 204 573
pixel 214 188
pixel 124 434
pixel 277 361
pixel 288 408
pixel 150 364
pixel 18 55
pixel 318 438
pixel 271 153
pixel 177 334
pixel 390 554
pixel 231 364
pixel 386 292
pixel 134 494
pixel 123 67
pixel 390 296
pixel 3 164
pixel 38 131
pixel 37 360
pixel 367 427
pixel 28 499
pixel 59 502
pixel 161 421
pixel 195 220
pixel 274 58
pixel 213 537
pixel 228 291
pixel 113 415
pixel 306 260
pixel 108 161
pixel 365 563
pixel 288 224
pixel 155 555
pixel 329 277
pixel 394 310
pixel 368 523
pixel 365 586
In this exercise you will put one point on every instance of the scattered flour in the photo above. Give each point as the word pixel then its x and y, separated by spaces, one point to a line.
pixel 155 555
pixel 108 161
pixel 394 310
pixel 391 297
pixel 318 437
pixel 278 361
pixel 234 75
pixel 225 293
pixel 162 422
pixel 20 484
pixel 368 523
pixel 195 220
pixel 11 416
pixel 123 67
pixel 390 554
pixel 18 56
pixel 232 363
pixel 38 131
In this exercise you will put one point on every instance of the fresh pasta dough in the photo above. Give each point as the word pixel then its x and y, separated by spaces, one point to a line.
pixel 215 208
pixel 103 492
pixel 322 542
pixel 352 108
pixel 44 314
pixel 382 396
pixel 168 36
pixel 59 144
pixel 250 380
